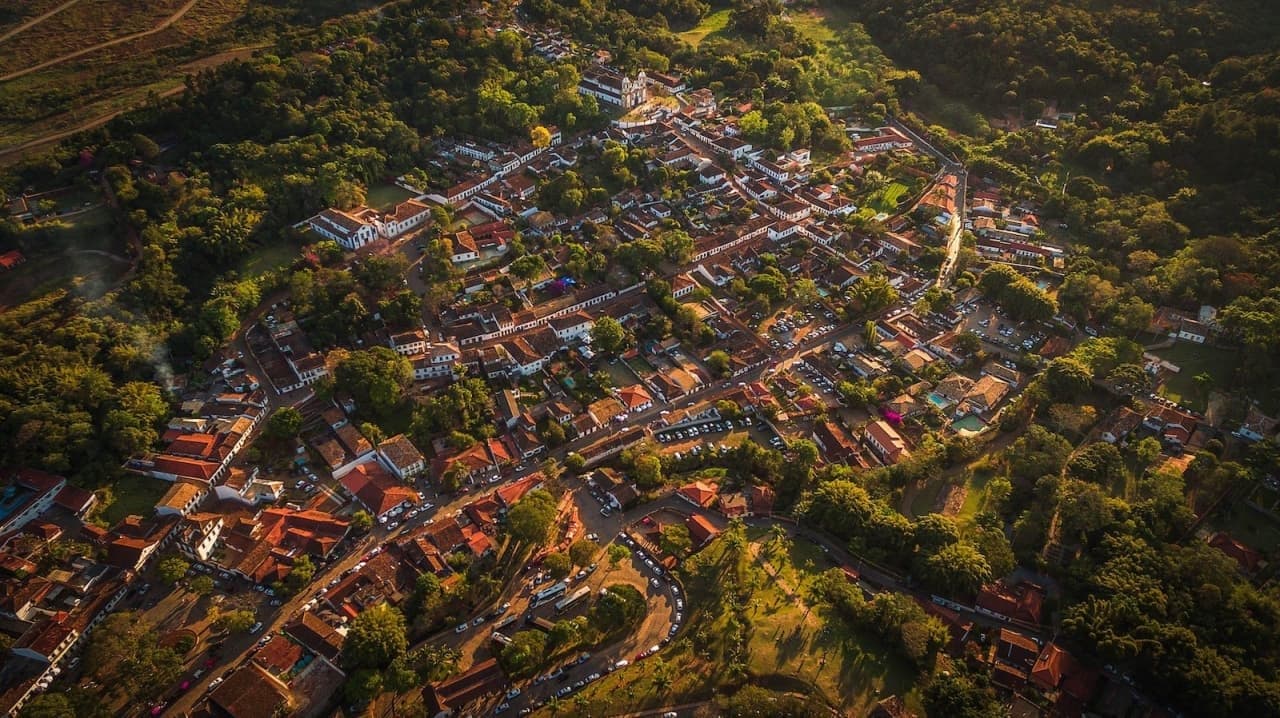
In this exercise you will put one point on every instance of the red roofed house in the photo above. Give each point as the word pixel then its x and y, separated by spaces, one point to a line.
pixel 450 696
pixel 1017 649
pixel 1247 558
pixel 1057 670
pixel 376 489
pixel 886 442
pixel 701 530
pixel 508 495
pixel 698 493
pixel 1022 601
pixel 27 493
pixel 76 500
pixel 762 498
pixel 635 398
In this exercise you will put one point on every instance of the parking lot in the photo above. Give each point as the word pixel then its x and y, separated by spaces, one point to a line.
pixel 996 328
pixel 785 330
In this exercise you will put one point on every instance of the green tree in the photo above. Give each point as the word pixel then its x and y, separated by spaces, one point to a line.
pixel 524 654
pixel 956 569
pixel 529 521
pixel 608 335
pixel 376 378
pixel 202 585
pixel 285 423
pixel 960 695
pixel 582 551
pixel 361 521
pixel 557 564
pixel 376 637
pixel 172 569
pixel 719 363
pixel 620 607
pixel 648 472
pixel 300 575
pixel 675 540
pixel 617 553
pixel 237 621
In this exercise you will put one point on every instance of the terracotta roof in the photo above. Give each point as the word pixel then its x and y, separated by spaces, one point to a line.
pixel 181 466
pixel 279 656
pixel 316 635
pixel 400 451
pixel 699 492
pixel 482 679
pixel 377 489
pixel 251 692
pixel 1246 557
pixel 701 530
pixel 1022 601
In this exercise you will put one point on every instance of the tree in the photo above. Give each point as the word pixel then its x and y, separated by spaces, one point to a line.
pixel 1067 379
pixel 608 335
pixel 675 540
pixel 957 569
pixel 719 363
pixel 172 569
pixel 574 462
pixel 284 423
pixel 648 471
pixel 1099 462
pixel 582 551
pixel 363 686
pixel 124 651
pixel 524 654
pixel 557 564
pixel 202 585
pixel 968 343
pixel 934 531
pixel 540 136
pixel 1146 450
pixel 376 637
pixel 960 695
pixel 376 378
pixel 620 607
pixel 529 521
pixel 361 521
pixel 617 553
pixel 300 575
pixel 236 621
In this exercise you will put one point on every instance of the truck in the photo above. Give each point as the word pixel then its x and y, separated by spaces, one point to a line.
pixel 541 623
pixel 550 593
pixel 565 603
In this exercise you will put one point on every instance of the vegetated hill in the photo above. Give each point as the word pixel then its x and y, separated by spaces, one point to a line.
pixel 92 58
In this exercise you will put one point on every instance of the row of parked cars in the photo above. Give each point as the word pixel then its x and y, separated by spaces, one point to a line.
pixel 712 427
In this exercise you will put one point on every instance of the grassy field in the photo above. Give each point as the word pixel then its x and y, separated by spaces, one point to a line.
pixel 80 253
pixel 132 495
pixel 87 23
pixel 273 256
pixel 1195 359
pixel 790 646
pixel 385 196
pixel 715 23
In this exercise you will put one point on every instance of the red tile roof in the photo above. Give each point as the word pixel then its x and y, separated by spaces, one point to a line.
pixel 1022 601
pixel 701 530
pixel 699 493
pixel 376 488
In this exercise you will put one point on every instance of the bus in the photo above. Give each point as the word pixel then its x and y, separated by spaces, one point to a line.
pixel 564 603
pixel 550 593
pixel 542 624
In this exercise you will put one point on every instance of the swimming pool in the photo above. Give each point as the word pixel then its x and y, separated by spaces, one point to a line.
pixel 968 422
pixel 939 400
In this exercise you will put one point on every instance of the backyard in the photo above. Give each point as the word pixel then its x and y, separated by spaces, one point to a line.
pixel 789 645
pixel 130 495
pixel 1194 360
pixel 386 195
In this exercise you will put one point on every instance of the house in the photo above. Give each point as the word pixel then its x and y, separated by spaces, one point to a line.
pixel 377 490
pixel 198 534
pixel 181 499
pixel 701 530
pixel 76 500
pixel 1256 425
pixel 462 248
pixel 1056 669
pixel 836 444
pixel 453 695
pixel 1193 331
pixel 1023 601
pixel 347 229
pixel 1247 558
pixel 406 216
pixel 987 393
pixel 734 505
pixel 635 398
pixel 699 493
pixel 410 343
pixel 318 637
pixel 1119 425
pixel 27 493
pixel 251 692
pixel 762 498
pixel 1174 425
pixel 954 388
pixel 401 457
pixel 1016 649
pixel 573 327
pixel 885 441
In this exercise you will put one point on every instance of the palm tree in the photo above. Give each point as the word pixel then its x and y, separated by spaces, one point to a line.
pixel 554 705
pixel 580 702
pixel 778 537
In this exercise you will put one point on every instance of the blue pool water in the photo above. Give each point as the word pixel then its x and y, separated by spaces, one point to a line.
pixel 938 400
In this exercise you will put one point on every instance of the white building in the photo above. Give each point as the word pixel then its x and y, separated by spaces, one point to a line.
pixel 346 229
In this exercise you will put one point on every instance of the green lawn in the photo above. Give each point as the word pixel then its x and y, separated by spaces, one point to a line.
pixel 886 200
pixel 715 23
pixel 820 25
pixel 276 255
pixel 131 495
pixel 1193 360
pixel 386 196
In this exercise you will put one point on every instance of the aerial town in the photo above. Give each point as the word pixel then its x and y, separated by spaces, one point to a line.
pixel 662 401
